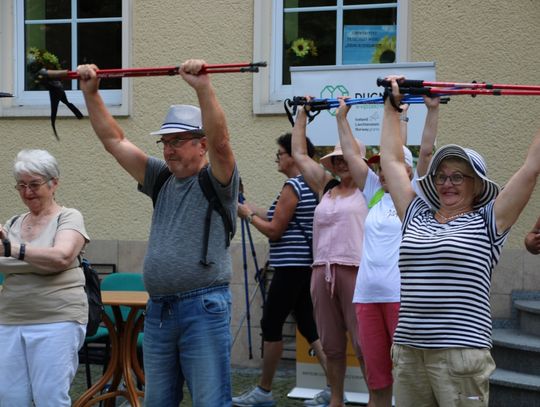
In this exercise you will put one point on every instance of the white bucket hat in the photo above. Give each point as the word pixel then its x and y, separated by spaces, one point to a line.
pixel 179 119
pixel 490 189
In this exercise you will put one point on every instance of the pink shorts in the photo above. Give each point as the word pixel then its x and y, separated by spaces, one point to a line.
pixel 376 325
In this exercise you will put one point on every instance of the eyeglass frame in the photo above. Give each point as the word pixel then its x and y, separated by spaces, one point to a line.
pixel 177 142
pixel 32 186
pixel 279 154
pixel 449 177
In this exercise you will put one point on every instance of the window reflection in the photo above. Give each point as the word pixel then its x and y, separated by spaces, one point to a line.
pixel 47 9
pixel 53 38
pixel 309 39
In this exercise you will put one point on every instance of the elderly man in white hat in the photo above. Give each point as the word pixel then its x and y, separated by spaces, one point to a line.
pixel 186 330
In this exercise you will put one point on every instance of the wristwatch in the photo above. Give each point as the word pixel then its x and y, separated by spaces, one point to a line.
pixel 249 218
pixel 22 251
pixel 404 118
pixel 7 247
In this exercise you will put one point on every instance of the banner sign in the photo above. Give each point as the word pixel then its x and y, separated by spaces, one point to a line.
pixel 358 81
pixel 310 377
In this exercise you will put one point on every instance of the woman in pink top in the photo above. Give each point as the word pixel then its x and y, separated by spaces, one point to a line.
pixel 338 231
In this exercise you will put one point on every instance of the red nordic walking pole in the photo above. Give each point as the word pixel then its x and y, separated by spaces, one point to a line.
pixel 474 92
pixel 45 74
pixel 413 83
pixel 51 79
pixel 433 91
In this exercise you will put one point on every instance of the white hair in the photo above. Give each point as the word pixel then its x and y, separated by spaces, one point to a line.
pixel 39 162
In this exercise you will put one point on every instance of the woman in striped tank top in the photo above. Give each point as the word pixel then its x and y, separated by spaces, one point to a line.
pixel 288 226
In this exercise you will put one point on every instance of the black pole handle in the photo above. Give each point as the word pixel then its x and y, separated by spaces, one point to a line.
pixel 409 83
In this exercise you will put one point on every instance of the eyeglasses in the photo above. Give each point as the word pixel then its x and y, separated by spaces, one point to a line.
pixel 176 142
pixel 279 154
pixel 456 178
pixel 32 186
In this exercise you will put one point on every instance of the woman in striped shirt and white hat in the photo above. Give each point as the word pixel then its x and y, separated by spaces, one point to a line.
pixel 450 246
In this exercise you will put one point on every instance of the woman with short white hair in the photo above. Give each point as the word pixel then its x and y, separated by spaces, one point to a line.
pixel 43 306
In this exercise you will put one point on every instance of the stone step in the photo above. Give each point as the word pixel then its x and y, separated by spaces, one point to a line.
pixel 529 315
pixel 516 338
pixel 516 350
pixel 532 306
pixel 509 388
pixel 509 378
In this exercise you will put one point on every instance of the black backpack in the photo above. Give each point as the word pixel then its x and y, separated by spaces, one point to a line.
pixel 92 288
pixel 214 204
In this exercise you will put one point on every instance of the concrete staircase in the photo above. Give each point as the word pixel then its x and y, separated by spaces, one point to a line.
pixel 516 350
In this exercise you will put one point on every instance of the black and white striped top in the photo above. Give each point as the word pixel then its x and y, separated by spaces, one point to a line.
pixel 294 247
pixel 446 278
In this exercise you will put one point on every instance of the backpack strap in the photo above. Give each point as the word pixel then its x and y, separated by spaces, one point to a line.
pixel 213 204
pixel 162 177
pixel 13 220
pixel 309 240
pixel 331 184
pixel 376 198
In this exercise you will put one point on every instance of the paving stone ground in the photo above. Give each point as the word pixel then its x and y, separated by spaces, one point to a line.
pixel 242 379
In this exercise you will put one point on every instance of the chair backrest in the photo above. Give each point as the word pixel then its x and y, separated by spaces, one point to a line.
pixel 122 282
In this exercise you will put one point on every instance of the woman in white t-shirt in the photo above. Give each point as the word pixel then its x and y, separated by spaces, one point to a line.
pixel 377 289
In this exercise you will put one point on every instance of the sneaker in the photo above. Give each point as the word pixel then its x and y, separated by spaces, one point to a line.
pixel 255 397
pixel 322 399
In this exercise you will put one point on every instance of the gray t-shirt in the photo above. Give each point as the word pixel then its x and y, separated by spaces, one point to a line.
pixel 172 263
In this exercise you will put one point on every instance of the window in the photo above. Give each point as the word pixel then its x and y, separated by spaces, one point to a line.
pixel 72 32
pixel 324 32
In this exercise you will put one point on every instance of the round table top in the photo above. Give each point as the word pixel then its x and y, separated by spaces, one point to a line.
pixel 128 298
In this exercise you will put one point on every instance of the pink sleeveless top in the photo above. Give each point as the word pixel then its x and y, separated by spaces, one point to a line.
pixel 338 230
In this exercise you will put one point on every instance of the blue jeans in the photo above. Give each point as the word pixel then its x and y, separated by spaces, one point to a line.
pixel 187 338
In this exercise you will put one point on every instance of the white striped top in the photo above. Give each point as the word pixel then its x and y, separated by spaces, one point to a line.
pixel 446 278
pixel 294 247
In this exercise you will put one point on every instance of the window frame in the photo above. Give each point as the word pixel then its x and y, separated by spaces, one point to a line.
pixel 268 92
pixel 37 103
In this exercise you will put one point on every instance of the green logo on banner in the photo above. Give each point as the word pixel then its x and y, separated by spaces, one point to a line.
pixel 332 92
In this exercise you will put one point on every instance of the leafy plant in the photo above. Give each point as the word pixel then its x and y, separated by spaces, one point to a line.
pixel 41 58
pixel 37 59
